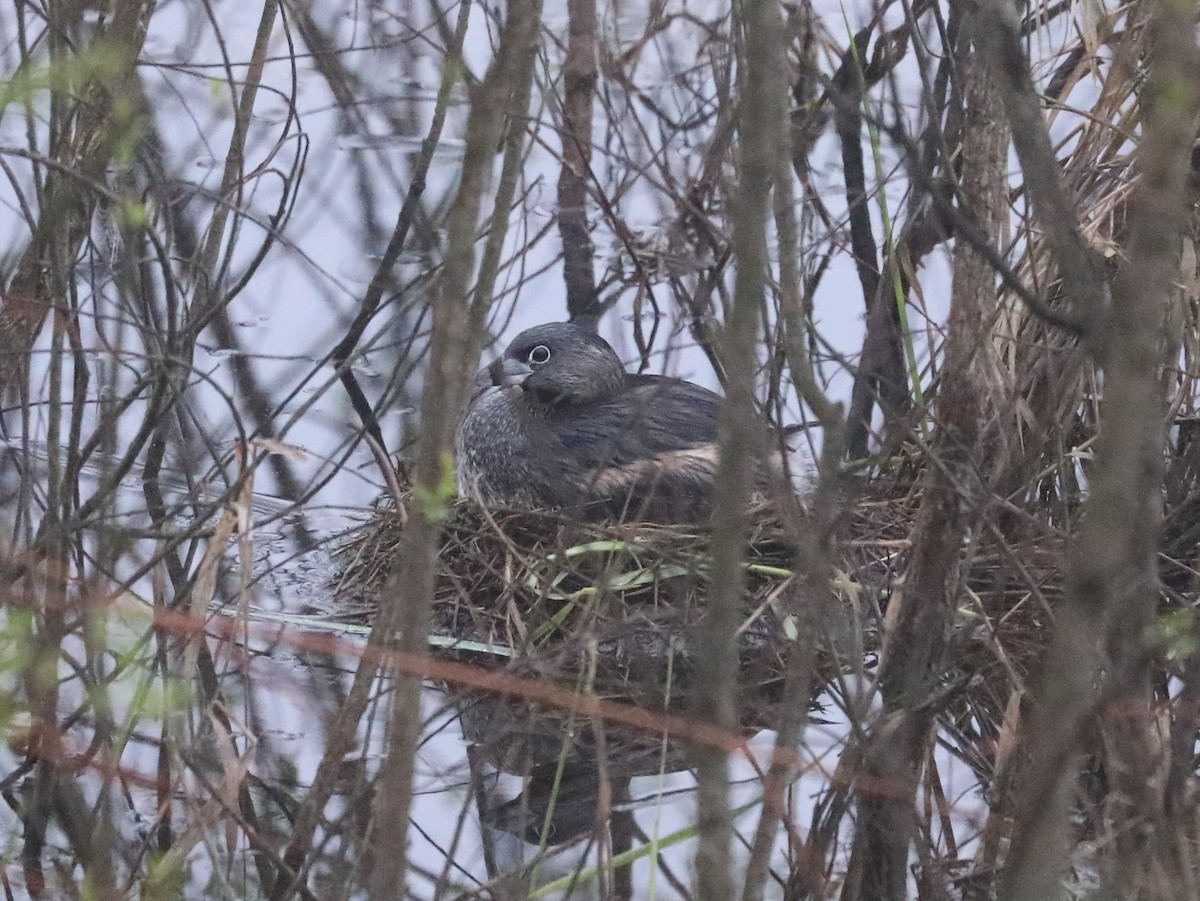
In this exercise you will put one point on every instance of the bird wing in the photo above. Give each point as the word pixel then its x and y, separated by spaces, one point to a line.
pixel 652 416
pixel 647 453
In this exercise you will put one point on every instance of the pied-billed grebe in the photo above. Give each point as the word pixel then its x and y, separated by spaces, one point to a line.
pixel 558 423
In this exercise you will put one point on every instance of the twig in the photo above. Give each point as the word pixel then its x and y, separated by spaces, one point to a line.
pixel 579 79
pixel 1082 272
pixel 918 620
pixel 458 326
pixel 761 58
pixel 1112 584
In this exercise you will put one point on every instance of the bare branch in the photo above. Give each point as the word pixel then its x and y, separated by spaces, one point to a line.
pixel 1082 274
pixel 579 78
pixel 66 211
pixel 917 628
pixel 1112 587
pixel 458 329
pixel 761 59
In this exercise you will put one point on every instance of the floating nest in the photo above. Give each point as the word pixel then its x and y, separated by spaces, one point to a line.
pixel 611 610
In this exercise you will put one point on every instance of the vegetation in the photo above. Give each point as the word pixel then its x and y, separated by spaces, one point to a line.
pixel 252 255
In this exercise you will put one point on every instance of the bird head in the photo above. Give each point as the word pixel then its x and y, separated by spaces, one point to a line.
pixel 559 363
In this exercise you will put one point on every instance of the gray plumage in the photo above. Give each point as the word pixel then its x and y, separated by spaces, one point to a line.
pixel 557 423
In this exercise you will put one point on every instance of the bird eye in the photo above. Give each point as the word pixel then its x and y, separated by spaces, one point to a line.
pixel 539 356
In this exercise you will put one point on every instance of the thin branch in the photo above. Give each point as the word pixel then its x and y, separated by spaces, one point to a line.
pixel 761 58
pixel 1112 583
pixel 579 78
pixel 458 327
pixel 1080 268
pixel 809 598
pixel 918 623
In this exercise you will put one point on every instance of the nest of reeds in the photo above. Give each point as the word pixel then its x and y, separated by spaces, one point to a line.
pixel 610 609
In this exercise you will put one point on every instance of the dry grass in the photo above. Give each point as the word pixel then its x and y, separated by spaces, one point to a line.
pixel 608 609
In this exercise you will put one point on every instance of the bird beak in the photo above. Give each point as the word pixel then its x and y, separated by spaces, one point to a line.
pixel 509 373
